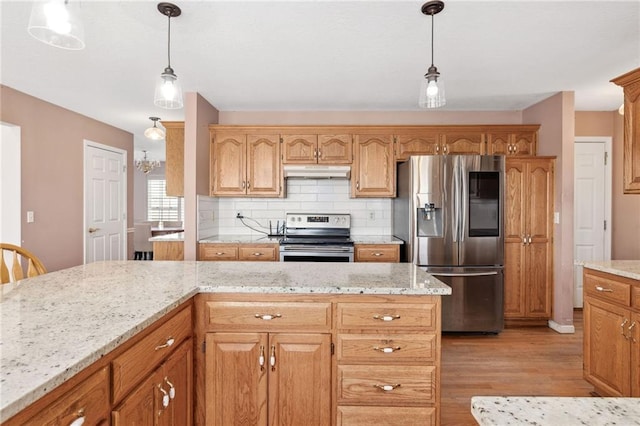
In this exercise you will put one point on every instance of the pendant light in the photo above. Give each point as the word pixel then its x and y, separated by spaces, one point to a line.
pixel 57 23
pixel 155 133
pixel 432 87
pixel 168 91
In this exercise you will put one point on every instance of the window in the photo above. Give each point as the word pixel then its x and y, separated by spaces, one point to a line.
pixel 159 206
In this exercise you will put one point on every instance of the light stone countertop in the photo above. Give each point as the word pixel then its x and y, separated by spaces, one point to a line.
pixel 174 236
pixel 358 239
pixel 555 411
pixel 623 268
pixel 55 325
pixel 376 239
pixel 258 239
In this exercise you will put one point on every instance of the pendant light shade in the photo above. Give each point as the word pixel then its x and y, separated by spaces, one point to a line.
pixel 57 23
pixel 168 92
pixel 432 86
pixel 154 132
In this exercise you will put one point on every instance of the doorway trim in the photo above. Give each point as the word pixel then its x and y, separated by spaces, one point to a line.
pixel 86 144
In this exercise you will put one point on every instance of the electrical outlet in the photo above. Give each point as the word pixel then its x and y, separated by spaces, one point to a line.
pixel 372 215
pixel 556 217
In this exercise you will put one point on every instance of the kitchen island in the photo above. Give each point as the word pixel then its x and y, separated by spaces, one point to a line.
pixel 56 325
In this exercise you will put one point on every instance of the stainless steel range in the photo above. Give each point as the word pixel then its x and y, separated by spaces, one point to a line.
pixel 311 237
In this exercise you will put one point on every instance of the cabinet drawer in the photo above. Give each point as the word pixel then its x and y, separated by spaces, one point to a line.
pixel 635 297
pixel 90 398
pixel 143 357
pixel 386 416
pixel 267 253
pixel 218 251
pixel 386 348
pixel 387 316
pixel 605 289
pixel 377 253
pixel 406 385
pixel 268 316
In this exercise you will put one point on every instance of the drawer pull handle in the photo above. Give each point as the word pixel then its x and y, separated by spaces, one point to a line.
pixel 165 397
pixel 377 254
pixel 603 290
pixel 386 317
pixel 220 253
pixel 258 253
pixel 631 327
pixel 172 389
pixel 268 317
pixel 622 328
pixel 387 349
pixel 272 359
pixel 261 358
pixel 387 388
pixel 80 418
pixel 170 341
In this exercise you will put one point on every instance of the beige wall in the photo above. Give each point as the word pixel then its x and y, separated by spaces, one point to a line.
pixel 625 226
pixel 556 137
pixel 52 140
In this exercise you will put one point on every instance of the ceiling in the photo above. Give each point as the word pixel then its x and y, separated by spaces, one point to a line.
pixel 325 55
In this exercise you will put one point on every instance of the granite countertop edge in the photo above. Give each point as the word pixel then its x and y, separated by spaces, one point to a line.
pixel 622 268
pixel 263 239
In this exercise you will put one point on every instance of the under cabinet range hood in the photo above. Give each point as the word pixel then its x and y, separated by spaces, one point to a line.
pixel 316 171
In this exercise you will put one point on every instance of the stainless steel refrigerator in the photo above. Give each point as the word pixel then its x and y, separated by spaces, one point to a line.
pixel 449 211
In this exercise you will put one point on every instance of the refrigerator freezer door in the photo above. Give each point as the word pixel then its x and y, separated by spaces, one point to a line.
pixel 476 301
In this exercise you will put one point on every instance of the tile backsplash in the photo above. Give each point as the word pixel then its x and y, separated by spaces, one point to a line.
pixel 369 216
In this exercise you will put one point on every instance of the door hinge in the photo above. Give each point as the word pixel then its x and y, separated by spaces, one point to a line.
pixel 124 168
pixel 333 348
pixel 281 140
pixel 204 346
pixel 606 156
pixel 605 225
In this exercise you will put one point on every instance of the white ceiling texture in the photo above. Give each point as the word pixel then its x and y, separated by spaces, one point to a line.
pixel 325 55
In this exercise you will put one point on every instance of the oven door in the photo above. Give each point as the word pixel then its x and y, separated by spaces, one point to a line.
pixel 305 253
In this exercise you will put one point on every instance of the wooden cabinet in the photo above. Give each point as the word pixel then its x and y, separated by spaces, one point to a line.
pixel 377 253
pixel 87 402
pixel 418 143
pixel 374 173
pixel 153 379
pixel 611 337
pixel 630 82
pixel 388 362
pixel 461 143
pixel 268 252
pixel 174 158
pixel 528 264
pixel 317 149
pixel 245 164
pixel 523 142
pixel 168 250
pixel 268 363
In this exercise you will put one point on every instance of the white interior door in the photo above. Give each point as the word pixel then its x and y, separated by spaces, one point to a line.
pixel 10 184
pixel 592 208
pixel 104 203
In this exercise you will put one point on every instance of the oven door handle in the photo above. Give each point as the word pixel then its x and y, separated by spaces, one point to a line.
pixel 468 274
pixel 318 249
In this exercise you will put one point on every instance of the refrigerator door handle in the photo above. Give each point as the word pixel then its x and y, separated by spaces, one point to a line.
pixel 456 198
pixel 468 274
pixel 464 196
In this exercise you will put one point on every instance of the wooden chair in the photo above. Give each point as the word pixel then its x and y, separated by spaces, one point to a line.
pixel 21 259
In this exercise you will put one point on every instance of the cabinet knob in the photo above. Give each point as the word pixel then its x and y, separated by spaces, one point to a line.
pixel 165 396
pixel 172 389
pixel 272 358
pixel 631 327
pixel 622 328
pixel 386 317
pixel 261 358
pixel 388 388
pixel 170 341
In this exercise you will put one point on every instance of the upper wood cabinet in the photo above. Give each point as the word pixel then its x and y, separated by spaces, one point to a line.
pixel 522 142
pixel 174 158
pixel 245 164
pixel 630 82
pixel 462 143
pixel 317 149
pixel 374 171
pixel 419 143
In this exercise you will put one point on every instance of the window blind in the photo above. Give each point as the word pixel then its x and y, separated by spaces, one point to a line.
pixel 161 207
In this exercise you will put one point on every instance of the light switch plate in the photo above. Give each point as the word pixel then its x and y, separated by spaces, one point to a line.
pixel 556 217
pixel 30 217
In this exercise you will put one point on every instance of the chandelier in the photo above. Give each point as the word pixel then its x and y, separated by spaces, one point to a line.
pixel 145 165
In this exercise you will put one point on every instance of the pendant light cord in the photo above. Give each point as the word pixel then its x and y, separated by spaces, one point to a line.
pixel 432 21
pixel 169 43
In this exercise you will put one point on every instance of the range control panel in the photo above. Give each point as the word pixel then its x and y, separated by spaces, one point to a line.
pixel 314 220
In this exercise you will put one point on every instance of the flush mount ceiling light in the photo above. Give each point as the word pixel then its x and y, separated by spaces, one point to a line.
pixel 168 91
pixel 145 165
pixel 154 132
pixel 57 23
pixel 432 87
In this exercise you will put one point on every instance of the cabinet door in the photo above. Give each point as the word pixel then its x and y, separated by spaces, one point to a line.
pixel 499 143
pixel 606 351
pixel 177 374
pixel 634 338
pixel 236 379
pixel 143 406
pixel 335 149
pixel 263 165
pixel 538 272
pixel 299 149
pixel 524 143
pixel 215 251
pixel 462 143
pixel 417 144
pixel 514 232
pixel 300 379
pixel 539 200
pixel 374 167
pixel 514 279
pixel 228 164
pixel 174 158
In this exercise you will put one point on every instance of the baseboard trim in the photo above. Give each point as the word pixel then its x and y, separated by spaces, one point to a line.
pixel 562 329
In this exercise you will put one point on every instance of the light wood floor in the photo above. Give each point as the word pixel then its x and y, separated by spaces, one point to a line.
pixel 519 361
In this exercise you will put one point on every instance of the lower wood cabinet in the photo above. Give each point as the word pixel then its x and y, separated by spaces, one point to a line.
pixel 611 334
pixel 267 252
pixel 168 250
pixel 377 253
